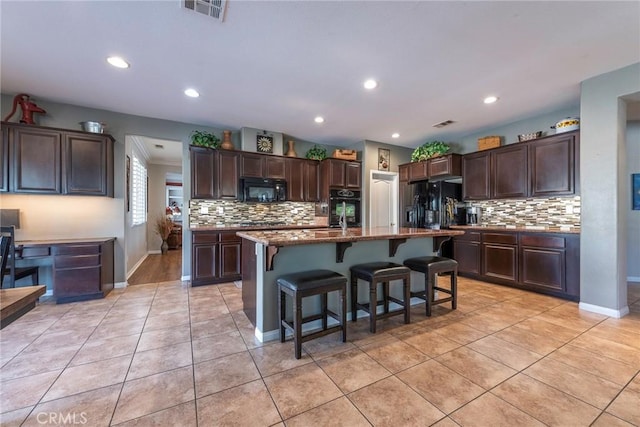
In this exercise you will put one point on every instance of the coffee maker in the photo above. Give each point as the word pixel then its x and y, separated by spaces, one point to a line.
pixel 474 215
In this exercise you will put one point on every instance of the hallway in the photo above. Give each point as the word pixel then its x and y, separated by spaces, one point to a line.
pixel 158 268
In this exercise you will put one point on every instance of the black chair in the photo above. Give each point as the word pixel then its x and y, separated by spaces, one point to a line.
pixel 431 266
pixel 16 273
pixel 375 273
pixel 5 243
pixel 305 284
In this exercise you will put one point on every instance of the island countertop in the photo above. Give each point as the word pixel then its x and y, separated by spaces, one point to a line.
pixel 283 238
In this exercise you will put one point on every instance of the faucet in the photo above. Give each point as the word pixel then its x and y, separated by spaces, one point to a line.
pixel 342 221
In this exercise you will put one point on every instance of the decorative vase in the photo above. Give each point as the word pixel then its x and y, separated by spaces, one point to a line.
pixel 291 152
pixel 164 247
pixel 226 140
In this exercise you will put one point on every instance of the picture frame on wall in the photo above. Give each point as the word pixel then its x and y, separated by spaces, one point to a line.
pixel 384 159
pixel 635 188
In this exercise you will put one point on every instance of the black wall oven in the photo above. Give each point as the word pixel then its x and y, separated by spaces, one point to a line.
pixel 351 201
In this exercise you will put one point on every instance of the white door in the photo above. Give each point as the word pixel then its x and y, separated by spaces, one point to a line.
pixel 383 199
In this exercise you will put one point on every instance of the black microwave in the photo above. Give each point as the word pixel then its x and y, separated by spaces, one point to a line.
pixel 263 190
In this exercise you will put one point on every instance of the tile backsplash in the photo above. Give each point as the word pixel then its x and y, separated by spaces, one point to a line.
pixel 550 212
pixel 229 212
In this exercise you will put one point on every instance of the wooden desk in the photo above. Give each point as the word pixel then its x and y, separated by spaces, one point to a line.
pixel 82 268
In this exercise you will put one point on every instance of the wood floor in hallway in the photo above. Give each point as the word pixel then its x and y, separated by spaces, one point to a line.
pixel 158 268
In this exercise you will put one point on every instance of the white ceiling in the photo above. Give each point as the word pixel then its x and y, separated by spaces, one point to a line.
pixel 277 64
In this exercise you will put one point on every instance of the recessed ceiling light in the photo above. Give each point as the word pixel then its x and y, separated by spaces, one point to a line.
pixel 117 62
pixel 192 93
pixel 370 84
pixel 395 135
pixel 319 119
pixel 490 99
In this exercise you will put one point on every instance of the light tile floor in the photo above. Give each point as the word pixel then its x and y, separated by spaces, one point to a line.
pixel 169 355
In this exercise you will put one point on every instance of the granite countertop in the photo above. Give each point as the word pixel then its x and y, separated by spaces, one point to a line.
pixel 335 235
pixel 520 228
pixel 240 226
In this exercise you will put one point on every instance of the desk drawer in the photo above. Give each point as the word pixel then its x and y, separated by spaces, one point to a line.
pixel 35 252
pixel 76 249
pixel 77 261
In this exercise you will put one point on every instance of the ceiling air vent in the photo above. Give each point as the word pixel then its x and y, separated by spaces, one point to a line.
pixel 212 8
pixel 443 124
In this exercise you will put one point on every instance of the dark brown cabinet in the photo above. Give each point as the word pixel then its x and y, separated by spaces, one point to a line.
pixel 443 166
pixel 509 172
pixel 252 165
pixel 226 184
pixel 418 171
pixel 543 262
pixel 82 271
pixel 215 257
pixel 554 166
pixel 403 172
pixel 544 167
pixel 500 256
pixel 476 172
pixel 341 173
pixel 311 181
pixel 275 167
pixel 202 173
pixel 467 252
pixel 4 161
pixel 56 161
pixel 88 165
pixel 302 180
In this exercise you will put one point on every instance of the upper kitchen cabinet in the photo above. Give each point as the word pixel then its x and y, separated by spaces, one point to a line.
pixel 509 172
pixel 88 165
pixel 262 166
pixel 202 173
pixel 418 171
pixel 214 173
pixel 476 171
pixel 302 180
pixel 445 166
pixel 341 173
pixel 554 169
pixel 4 161
pixel 57 161
pixel 226 183
pixel 541 168
pixel 403 172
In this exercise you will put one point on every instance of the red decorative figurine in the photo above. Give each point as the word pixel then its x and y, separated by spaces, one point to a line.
pixel 28 108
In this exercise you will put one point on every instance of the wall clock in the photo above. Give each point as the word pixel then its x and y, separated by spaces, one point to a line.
pixel 264 144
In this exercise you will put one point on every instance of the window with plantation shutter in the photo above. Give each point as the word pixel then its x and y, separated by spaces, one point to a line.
pixel 138 192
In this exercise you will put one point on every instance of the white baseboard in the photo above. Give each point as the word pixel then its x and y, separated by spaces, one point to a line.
pixel 604 310
pixel 186 278
pixel 48 293
pixel 135 267
pixel 120 285
pixel 154 252
pixel 634 279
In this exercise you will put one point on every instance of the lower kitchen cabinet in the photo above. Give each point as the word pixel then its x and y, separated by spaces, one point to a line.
pixel 215 257
pixel 543 262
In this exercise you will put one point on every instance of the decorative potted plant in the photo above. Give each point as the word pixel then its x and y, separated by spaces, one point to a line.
pixel 317 153
pixel 429 150
pixel 164 225
pixel 205 139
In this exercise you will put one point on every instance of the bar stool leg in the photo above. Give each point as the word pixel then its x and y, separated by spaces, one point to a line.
pixel 281 309
pixel 385 296
pixel 406 287
pixel 373 305
pixel 297 324
pixel 343 314
pixel 429 291
pixel 323 299
pixel 454 290
pixel 354 298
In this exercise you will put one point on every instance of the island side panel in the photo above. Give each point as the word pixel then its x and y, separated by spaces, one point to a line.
pixel 291 259
pixel 249 279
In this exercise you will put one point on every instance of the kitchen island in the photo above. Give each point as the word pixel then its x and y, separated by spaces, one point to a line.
pixel 266 255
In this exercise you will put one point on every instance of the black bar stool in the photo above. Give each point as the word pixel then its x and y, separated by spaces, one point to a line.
pixel 431 266
pixel 380 272
pixel 305 284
